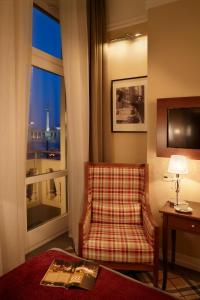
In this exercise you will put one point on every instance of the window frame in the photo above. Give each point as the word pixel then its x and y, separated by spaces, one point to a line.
pixel 48 8
pixel 47 62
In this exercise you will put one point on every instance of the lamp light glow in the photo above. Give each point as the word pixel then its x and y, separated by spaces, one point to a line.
pixel 178 165
pixel 137 34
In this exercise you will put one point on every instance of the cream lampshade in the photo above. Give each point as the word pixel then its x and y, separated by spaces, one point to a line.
pixel 178 165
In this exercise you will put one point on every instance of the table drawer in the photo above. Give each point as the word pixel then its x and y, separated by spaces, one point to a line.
pixel 184 224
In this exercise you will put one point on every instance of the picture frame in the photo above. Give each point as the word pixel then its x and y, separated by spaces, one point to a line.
pixel 128 104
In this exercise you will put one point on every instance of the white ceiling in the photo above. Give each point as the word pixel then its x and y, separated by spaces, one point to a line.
pixel 125 13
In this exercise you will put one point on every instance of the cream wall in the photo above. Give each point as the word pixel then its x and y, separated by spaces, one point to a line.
pixel 125 59
pixel 173 71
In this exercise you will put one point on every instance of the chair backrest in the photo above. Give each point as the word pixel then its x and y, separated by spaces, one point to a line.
pixel 116 192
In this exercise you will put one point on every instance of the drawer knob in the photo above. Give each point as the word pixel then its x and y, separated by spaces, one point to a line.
pixel 193 226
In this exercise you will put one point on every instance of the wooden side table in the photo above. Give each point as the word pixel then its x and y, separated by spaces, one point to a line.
pixel 173 220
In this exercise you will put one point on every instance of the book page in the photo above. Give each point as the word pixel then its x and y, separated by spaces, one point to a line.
pixel 85 275
pixel 59 272
pixel 65 274
pixel 77 277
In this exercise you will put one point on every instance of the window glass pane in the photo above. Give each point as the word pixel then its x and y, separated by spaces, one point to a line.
pixel 45 128
pixel 46 34
pixel 45 200
pixel 46 139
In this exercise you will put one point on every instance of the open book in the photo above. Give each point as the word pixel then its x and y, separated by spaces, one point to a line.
pixel 65 274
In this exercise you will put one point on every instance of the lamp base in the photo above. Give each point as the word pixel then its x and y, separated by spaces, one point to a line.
pixel 183 209
pixel 173 202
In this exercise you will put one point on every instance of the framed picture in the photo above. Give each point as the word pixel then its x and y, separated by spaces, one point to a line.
pixel 129 104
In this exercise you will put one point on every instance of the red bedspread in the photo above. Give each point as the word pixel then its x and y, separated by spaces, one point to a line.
pixel 23 283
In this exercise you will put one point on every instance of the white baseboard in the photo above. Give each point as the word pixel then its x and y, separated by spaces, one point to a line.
pixel 44 241
pixel 46 232
pixel 155 3
pixel 188 261
pixel 185 261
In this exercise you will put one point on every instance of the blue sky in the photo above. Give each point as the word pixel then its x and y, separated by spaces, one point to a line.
pixel 46 33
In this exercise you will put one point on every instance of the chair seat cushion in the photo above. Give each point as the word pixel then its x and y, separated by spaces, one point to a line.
pixel 117 243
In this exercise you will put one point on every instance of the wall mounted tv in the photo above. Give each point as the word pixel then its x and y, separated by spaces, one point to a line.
pixel 178 126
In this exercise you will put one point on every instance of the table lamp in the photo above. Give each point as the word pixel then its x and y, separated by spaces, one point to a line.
pixel 178 165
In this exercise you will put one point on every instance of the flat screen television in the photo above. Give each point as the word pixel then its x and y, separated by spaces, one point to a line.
pixel 178 127
pixel 183 127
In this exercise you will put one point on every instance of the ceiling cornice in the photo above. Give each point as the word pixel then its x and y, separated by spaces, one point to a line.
pixel 143 18
pixel 129 22
pixel 154 3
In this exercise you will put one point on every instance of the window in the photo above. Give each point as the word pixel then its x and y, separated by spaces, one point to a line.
pixel 46 144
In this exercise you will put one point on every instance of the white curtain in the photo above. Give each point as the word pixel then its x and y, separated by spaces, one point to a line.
pixel 75 58
pixel 15 61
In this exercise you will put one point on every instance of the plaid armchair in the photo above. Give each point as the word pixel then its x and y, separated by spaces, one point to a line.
pixel 117 228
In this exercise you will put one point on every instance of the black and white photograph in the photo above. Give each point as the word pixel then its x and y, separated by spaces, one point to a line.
pixel 129 104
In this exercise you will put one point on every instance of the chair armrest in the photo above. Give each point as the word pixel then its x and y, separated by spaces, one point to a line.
pixel 151 229
pixel 84 224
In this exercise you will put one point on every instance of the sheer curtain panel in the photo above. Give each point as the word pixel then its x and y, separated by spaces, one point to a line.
pixel 73 16
pixel 15 61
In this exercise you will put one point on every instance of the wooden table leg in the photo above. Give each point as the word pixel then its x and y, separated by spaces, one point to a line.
pixel 165 250
pixel 173 249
